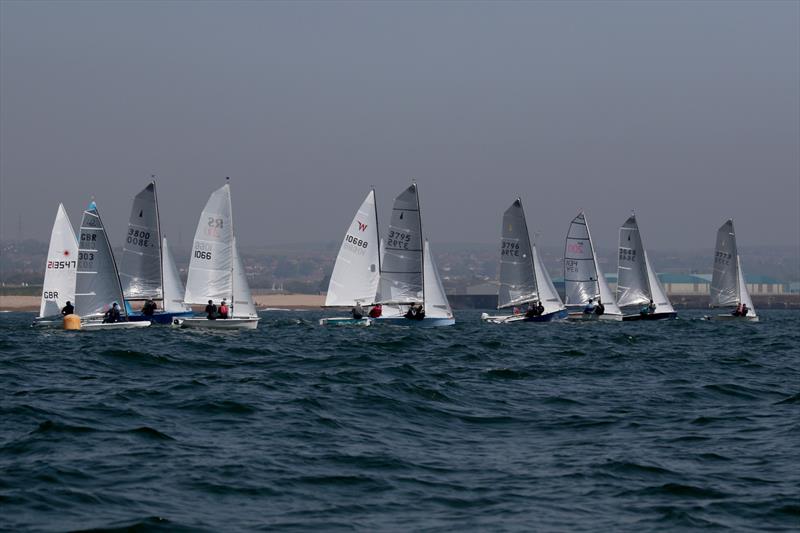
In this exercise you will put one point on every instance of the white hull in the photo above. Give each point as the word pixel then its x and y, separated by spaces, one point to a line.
pixel 48 322
pixel 591 317
pixel 753 318
pixel 97 326
pixel 221 323
pixel 345 321
pixel 512 319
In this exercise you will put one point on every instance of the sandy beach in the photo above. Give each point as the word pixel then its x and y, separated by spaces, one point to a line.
pixel 277 301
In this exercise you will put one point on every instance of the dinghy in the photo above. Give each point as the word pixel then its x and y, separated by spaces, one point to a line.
pixel 355 276
pixel 728 288
pixel 216 271
pixel 583 279
pixel 523 278
pixel 58 287
pixel 147 267
pixel 97 285
pixel 408 273
pixel 637 283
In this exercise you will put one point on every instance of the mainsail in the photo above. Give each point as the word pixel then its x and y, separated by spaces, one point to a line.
pixel 211 262
pixel 357 270
pixel 401 274
pixel 632 280
pixel 548 295
pixel 517 278
pixel 61 267
pixel 580 272
pixel 140 265
pixel 436 304
pixel 97 285
pixel 725 277
pixel 173 287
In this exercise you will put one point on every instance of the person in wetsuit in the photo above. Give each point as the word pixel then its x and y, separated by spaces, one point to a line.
pixel 211 310
pixel 112 315
pixel 415 312
pixel 600 309
pixel 68 309
pixel 358 311
pixel 149 307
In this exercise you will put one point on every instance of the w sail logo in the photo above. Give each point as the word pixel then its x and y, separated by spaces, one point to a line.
pixel 361 226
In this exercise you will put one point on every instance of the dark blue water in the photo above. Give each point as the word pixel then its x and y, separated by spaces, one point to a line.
pixel 635 426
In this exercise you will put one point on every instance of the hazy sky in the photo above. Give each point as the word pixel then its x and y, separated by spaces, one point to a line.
pixel 687 112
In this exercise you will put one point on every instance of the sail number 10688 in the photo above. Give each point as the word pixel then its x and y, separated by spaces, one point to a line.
pixel 355 240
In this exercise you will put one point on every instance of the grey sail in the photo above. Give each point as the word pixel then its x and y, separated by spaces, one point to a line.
pixel 140 265
pixel 517 278
pixel 725 278
pixel 632 277
pixel 580 273
pixel 401 279
pixel 97 284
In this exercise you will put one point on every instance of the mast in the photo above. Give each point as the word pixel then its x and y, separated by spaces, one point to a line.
pixel 161 251
pixel 421 240
pixel 233 242
pixel 597 273
pixel 123 309
pixel 377 231
pixel 533 266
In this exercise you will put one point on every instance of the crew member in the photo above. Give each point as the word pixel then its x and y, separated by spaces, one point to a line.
pixel 149 307
pixel 223 309
pixel 211 310
pixel 358 311
pixel 67 309
pixel 112 315
pixel 376 311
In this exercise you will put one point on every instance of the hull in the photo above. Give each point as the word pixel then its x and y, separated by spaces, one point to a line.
pixel 345 321
pixel 160 317
pixel 750 318
pixel 424 323
pixel 48 322
pixel 587 317
pixel 98 326
pixel 654 316
pixel 561 314
pixel 222 323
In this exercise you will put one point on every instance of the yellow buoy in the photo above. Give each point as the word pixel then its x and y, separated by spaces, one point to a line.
pixel 72 322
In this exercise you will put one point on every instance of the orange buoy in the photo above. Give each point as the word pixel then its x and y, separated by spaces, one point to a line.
pixel 72 322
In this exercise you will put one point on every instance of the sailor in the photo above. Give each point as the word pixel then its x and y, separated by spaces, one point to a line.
pixel 223 309
pixel 149 307
pixel 745 309
pixel 358 311
pixel 589 309
pixel 376 311
pixel 539 308
pixel 651 307
pixel 67 309
pixel 112 315
pixel 530 311
pixel 415 312
pixel 600 309
pixel 737 311
pixel 211 310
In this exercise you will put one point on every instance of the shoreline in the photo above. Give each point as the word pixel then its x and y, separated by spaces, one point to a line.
pixel 281 301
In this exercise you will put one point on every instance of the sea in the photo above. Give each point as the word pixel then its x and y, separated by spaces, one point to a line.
pixel 674 425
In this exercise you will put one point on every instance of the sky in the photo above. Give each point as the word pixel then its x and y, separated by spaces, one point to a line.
pixel 686 112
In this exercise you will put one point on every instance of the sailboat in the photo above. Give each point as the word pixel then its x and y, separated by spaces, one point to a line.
pixel 523 277
pixel 97 285
pixel 216 271
pixel 60 271
pixel 357 270
pixel 728 288
pixel 583 279
pixel 637 283
pixel 146 262
pixel 408 273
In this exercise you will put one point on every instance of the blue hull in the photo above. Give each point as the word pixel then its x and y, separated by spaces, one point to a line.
pixel 654 316
pixel 159 317
pixel 558 315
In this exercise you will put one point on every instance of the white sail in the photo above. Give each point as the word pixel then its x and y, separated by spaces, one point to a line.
pixel 173 287
pixel 725 277
pixel 140 265
pixel 547 292
pixel 436 304
pixel 243 306
pixel 401 268
pixel 606 296
pixel 659 296
pixel 97 284
pixel 517 278
pixel 744 295
pixel 61 268
pixel 357 270
pixel 581 277
pixel 211 262
pixel 632 284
